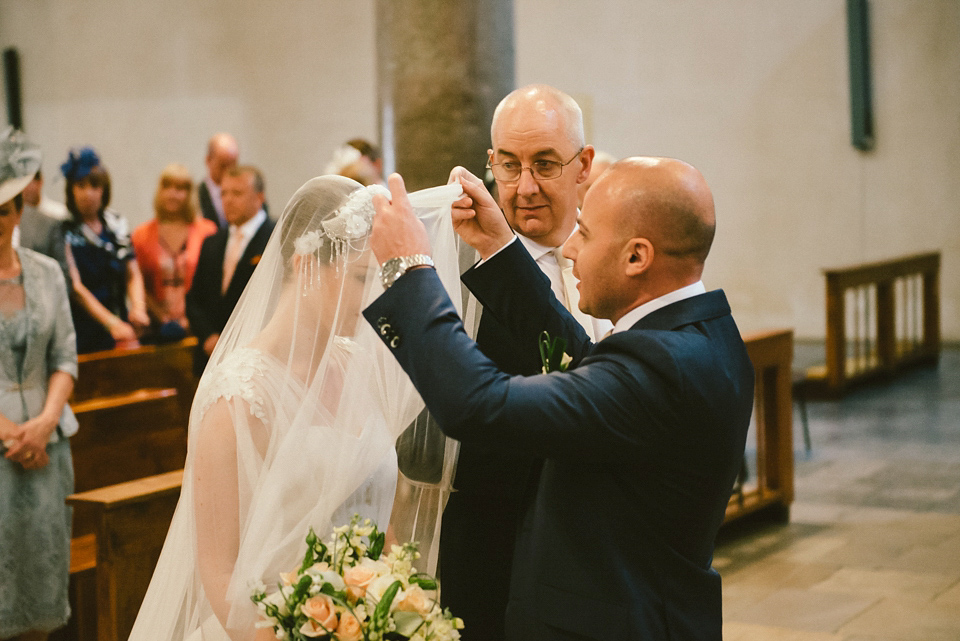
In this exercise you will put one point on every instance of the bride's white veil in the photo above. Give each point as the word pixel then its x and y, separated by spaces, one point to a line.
pixel 296 419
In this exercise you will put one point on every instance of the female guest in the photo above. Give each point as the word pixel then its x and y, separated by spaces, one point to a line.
pixel 103 271
pixel 38 364
pixel 167 250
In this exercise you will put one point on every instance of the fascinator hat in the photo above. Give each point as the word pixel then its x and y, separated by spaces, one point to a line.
pixel 80 162
pixel 19 163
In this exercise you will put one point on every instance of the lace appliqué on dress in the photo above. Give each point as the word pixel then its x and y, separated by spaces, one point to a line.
pixel 234 377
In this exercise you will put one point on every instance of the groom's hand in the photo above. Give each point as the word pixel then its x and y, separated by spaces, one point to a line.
pixel 477 218
pixel 396 229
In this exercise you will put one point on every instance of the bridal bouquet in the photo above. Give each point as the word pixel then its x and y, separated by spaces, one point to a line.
pixel 347 590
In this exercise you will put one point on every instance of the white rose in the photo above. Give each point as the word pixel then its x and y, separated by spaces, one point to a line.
pixel 378 586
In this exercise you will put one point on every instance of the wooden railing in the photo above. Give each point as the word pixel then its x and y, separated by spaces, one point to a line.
pixel 880 317
pixel 770 488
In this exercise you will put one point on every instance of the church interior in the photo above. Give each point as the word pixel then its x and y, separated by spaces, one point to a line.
pixel 832 147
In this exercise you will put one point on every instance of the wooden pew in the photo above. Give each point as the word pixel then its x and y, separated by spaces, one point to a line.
pixel 132 406
pixel 772 490
pixel 881 317
pixel 120 371
pixel 130 524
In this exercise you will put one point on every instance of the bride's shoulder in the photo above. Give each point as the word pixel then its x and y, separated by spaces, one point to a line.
pixel 238 376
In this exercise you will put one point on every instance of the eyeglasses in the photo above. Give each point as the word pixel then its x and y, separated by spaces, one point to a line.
pixel 542 169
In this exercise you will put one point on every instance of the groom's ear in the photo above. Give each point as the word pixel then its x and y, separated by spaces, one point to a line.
pixel 639 256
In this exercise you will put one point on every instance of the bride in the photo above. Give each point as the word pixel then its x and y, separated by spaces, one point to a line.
pixel 295 421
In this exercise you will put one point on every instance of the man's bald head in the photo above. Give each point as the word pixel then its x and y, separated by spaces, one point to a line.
pixel 645 231
pixel 667 201
pixel 535 127
pixel 222 154
pixel 548 101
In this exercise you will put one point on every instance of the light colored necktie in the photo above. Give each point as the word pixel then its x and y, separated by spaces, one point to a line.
pixel 571 294
pixel 231 258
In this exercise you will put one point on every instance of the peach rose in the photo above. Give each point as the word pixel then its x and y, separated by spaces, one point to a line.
pixel 349 628
pixel 358 577
pixel 322 614
pixel 415 600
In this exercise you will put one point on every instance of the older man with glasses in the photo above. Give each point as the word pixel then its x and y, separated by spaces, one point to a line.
pixel 538 159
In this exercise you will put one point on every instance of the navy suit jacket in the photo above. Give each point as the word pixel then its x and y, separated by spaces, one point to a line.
pixel 207 308
pixel 643 438
pixel 206 204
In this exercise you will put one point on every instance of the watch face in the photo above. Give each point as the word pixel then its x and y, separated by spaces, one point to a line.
pixel 391 271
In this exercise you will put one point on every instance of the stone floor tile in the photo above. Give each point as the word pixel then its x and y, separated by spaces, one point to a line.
pixel 813 549
pixel 750 632
pixel 806 610
pixel 740 596
pixel 817 513
pixel 944 557
pixel 908 620
pixel 951 596
pixel 781 574
pixel 892 583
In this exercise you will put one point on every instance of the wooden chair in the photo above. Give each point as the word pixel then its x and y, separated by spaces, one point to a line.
pixel 771 353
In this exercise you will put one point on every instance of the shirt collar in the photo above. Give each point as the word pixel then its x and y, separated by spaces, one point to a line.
pixel 537 250
pixel 248 228
pixel 629 319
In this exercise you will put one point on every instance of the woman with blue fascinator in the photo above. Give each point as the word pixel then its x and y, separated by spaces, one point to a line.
pixel 100 255
pixel 38 365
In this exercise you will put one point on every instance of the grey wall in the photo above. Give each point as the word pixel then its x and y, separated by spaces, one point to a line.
pixel 752 92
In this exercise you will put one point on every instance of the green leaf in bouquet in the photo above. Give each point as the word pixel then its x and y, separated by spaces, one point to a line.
pixel 425 581
pixel 303 585
pixel 407 623
pixel 377 541
pixel 383 608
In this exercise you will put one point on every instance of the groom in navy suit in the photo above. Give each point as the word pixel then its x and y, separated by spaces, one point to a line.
pixel 642 436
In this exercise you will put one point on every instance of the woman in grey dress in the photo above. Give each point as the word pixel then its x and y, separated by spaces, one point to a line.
pixel 38 364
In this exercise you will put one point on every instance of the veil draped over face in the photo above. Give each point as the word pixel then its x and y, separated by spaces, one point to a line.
pixel 296 420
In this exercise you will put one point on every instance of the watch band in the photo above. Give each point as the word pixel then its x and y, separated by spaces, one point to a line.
pixel 394 268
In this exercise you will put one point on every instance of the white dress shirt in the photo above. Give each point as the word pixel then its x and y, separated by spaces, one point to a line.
pixel 547 262
pixel 238 239
pixel 630 318
pixel 215 197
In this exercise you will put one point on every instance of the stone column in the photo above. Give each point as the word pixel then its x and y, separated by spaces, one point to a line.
pixel 443 65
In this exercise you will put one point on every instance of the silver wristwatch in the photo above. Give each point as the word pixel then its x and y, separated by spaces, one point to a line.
pixel 394 268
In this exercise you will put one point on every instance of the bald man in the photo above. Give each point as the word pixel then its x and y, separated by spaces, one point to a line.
pixel 222 154
pixel 642 435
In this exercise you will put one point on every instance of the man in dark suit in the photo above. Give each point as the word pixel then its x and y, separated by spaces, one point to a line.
pixel 642 436
pixel 540 128
pixel 222 154
pixel 227 259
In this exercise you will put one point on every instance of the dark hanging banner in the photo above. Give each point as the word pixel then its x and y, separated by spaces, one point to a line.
pixel 861 102
pixel 11 74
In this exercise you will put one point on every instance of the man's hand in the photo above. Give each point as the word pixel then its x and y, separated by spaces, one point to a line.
pixel 396 229
pixel 477 218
